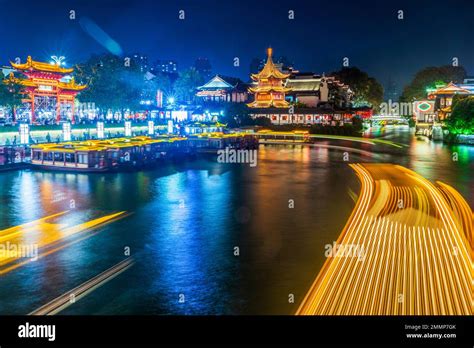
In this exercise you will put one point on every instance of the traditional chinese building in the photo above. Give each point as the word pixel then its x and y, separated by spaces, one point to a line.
pixel 223 89
pixel 443 98
pixel 312 90
pixel 49 90
pixel 270 87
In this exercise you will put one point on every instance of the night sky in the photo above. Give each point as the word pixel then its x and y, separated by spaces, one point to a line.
pixel 322 33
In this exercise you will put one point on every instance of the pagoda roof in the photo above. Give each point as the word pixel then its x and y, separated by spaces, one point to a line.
pixel 270 70
pixel 24 82
pixel 451 88
pixel 41 66
pixel 269 103
pixel 216 82
pixel 468 87
pixel 71 85
pixel 268 89
pixel 7 70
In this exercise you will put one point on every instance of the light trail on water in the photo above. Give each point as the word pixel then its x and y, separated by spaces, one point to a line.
pixel 417 244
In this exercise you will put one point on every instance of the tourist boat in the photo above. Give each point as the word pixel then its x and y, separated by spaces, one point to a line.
pixel 102 155
pixel 130 153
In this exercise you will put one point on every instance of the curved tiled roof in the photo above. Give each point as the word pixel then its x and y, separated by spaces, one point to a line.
pixel 41 66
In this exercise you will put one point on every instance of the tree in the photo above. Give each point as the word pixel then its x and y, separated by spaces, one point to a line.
pixel 204 67
pixel 163 82
pixel 255 65
pixel 238 115
pixel 284 61
pixel 112 82
pixel 431 77
pixel 367 90
pixel 461 120
pixel 357 124
pixel 374 93
pixel 10 95
pixel 186 85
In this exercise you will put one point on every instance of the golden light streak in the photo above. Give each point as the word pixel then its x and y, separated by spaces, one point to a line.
pixel 62 302
pixel 417 240
pixel 48 237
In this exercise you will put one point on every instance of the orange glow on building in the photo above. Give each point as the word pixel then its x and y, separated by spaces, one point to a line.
pixel 45 83
pixel 270 90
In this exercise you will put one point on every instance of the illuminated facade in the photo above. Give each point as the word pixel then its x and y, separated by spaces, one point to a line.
pixel 424 110
pixel 312 90
pixel 220 89
pixel 315 99
pixel 270 86
pixel 49 90
pixel 443 98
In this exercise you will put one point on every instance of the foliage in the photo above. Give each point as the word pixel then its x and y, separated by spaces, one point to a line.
pixel 461 120
pixel 357 124
pixel 186 84
pixel 163 82
pixel 10 94
pixel 411 121
pixel 112 83
pixel 235 114
pixel 298 104
pixel 367 90
pixel 430 78
pixel 261 121
pixel 456 99
pixel 238 115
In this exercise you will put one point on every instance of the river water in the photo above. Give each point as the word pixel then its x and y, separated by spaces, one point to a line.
pixel 206 237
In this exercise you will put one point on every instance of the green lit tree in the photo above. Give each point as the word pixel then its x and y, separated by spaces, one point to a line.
pixel 461 120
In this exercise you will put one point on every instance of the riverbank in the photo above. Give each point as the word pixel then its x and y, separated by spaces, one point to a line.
pixel 439 133
pixel 42 134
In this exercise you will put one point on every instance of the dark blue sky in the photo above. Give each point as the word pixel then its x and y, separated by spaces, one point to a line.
pixel 322 33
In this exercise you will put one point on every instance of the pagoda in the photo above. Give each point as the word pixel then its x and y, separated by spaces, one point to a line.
pixel 48 89
pixel 270 90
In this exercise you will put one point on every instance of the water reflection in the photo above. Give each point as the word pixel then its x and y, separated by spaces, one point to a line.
pixel 187 218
